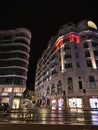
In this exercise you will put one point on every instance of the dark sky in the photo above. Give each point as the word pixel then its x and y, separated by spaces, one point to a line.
pixel 43 18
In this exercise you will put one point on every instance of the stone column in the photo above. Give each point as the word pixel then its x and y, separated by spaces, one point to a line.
pixel 86 104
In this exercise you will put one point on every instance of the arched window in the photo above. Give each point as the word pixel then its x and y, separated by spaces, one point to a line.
pixel 70 83
pixel 92 82
pixel 60 82
pixel 59 86
pixel 48 90
pixel 67 47
pixel 67 55
pixel 53 89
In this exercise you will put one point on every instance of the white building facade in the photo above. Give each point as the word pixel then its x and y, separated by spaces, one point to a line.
pixel 67 72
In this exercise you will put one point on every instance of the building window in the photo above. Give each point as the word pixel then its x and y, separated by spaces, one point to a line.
pixel 85 45
pixel 68 65
pixel 94 44
pixel 96 52
pixel 67 56
pixel 53 89
pixel 80 84
pixel 78 64
pixel 89 64
pixel 97 62
pixel 59 82
pixel 54 71
pixel 7 37
pixel 92 82
pixel 87 54
pixel 17 90
pixel 70 83
pixel 59 87
pixel 76 55
pixel 48 90
pixel 67 47
pixel 42 86
pixel 7 89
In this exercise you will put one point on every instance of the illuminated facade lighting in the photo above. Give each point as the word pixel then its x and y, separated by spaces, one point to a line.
pixel 67 72
pixel 74 38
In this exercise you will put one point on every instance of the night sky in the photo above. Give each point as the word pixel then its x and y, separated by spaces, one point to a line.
pixel 43 18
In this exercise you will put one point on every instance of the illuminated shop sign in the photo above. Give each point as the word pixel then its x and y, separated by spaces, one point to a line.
pixel 4 94
pixel 72 38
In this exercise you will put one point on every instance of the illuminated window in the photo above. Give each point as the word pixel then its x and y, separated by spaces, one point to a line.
pixel 6 100
pixel 18 89
pixel 7 90
pixel 16 103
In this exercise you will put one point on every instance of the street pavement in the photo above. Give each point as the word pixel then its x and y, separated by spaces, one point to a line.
pixel 48 119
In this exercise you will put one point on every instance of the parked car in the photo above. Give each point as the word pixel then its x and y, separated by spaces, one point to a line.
pixel 5 107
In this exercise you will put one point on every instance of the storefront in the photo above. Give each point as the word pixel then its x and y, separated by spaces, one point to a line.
pixel 57 104
pixel 53 104
pixel 75 103
pixel 16 103
pixel 93 102
pixel 4 99
pixel 60 103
